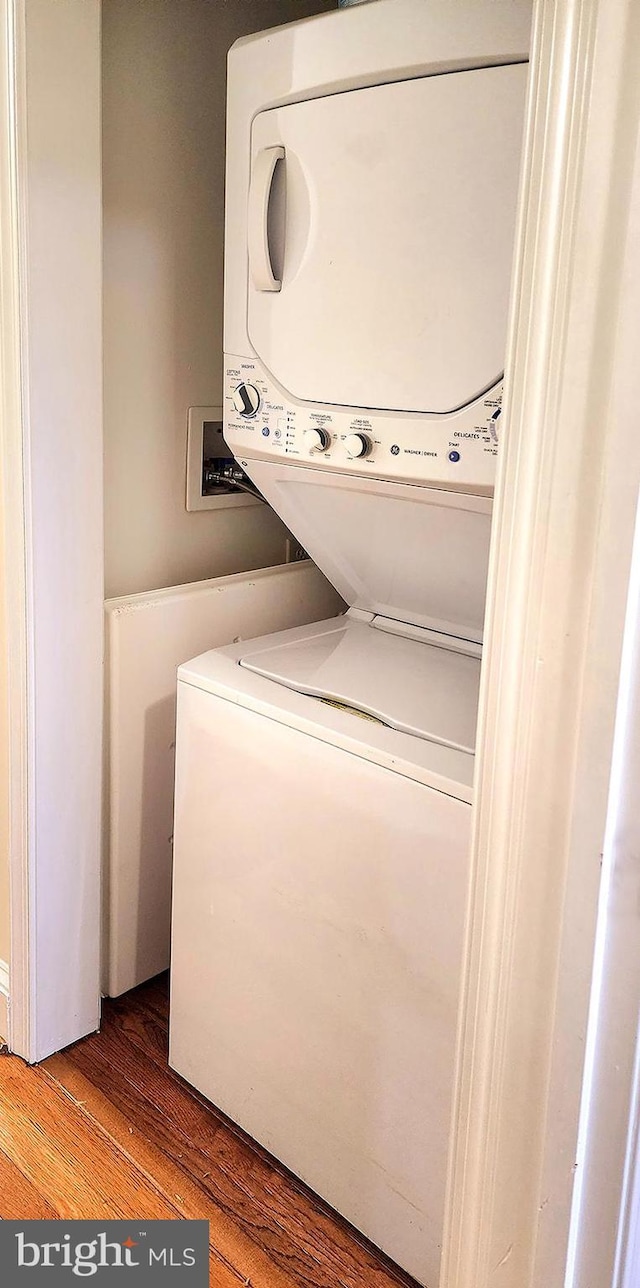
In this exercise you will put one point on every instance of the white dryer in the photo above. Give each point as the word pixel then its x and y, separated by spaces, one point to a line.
pixel 324 775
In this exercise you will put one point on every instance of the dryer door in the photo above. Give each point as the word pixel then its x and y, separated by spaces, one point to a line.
pixel 387 215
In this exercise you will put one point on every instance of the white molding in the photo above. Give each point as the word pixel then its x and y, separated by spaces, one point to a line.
pixel 564 520
pixel 606 1191
pixel 4 1002
pixel 14 496
pixel 627 1270
pixel 50 413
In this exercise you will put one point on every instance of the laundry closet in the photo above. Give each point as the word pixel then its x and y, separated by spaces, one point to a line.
pixel 325 738
pixel 287 944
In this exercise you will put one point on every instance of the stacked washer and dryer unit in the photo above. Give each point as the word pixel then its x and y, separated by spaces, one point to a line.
pixel 324 774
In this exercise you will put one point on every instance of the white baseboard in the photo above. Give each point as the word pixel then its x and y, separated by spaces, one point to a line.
pixel 4 1001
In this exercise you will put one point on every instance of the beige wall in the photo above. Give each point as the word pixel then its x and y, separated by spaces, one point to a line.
pixel 163 172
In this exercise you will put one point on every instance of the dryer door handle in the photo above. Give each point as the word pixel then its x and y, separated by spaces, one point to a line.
pixel 260 266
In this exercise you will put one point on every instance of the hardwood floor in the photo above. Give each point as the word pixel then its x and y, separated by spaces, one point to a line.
pixel 106 1129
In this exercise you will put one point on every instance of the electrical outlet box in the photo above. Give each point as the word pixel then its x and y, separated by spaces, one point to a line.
pixel 205 443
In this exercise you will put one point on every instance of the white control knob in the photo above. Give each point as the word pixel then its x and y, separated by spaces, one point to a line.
pixel 316 440
pixel 246 400
pixel 357 445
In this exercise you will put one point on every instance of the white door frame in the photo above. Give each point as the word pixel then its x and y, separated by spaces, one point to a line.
pixel 13 510
pixel 51 438
pixel 565 515
pixel 560 583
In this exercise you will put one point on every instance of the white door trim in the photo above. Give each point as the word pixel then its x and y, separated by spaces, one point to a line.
pixel 14 501
pixel 51 411
pixel 601 1238
pixel 565 517
pixel 4 1001
pixel 627 1268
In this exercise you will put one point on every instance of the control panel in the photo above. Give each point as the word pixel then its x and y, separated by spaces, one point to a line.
pixel 456 450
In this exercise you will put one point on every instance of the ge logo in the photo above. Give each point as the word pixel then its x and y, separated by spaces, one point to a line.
pixel 395 450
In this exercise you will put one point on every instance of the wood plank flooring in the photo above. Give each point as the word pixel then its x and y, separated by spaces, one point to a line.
pixel 106 1129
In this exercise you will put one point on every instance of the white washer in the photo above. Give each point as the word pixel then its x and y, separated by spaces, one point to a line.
pixel 321 866
pixel 319 898
pixel 324 775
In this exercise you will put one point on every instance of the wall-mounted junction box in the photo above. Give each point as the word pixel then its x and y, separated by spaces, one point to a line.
pixel 208 458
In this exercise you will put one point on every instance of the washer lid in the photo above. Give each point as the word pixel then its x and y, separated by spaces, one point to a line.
pixel 426 689
pixel 416 554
